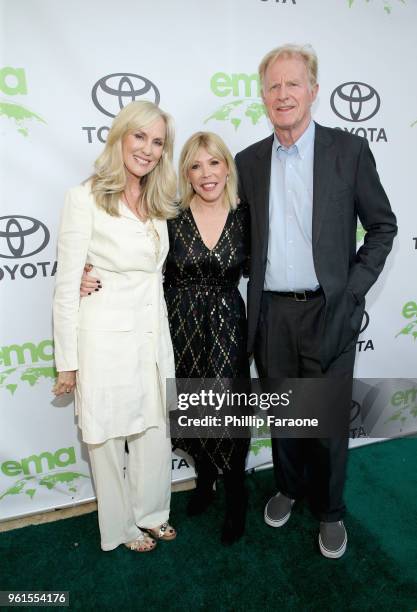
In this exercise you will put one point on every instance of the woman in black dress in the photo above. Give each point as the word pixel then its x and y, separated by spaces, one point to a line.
pixel 209 250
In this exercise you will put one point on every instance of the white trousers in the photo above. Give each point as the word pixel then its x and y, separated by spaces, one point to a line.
pixel 133 490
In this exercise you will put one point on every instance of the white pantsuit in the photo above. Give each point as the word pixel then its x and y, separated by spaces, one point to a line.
pixel 140 489
pixel 117 338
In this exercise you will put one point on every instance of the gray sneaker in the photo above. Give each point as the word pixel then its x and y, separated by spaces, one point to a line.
pixel 278 510
pixel 332 539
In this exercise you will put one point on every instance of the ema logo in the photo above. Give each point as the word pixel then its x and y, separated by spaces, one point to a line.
pixel 409 311
pixel 113 92
pixel 356 102
pixel 242 109
pixel 21 237
pixel 13 83
pixel 26 363
pixel 405 404
pixel 387 5
pixel 39 473
pixel 386 408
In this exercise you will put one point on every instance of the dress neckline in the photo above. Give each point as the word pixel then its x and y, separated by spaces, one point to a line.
pixel 201 237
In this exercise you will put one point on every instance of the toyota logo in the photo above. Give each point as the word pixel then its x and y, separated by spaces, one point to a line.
pixel 365 322
pixel 113 92
pixel 355 101
pixel 22 236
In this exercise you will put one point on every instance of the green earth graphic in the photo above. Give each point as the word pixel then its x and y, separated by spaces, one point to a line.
pixel 387 5
pixel 65 482
pixel 238 111
pixel 409 329
pixel 404 414
pixel 11 378
pixel 20 115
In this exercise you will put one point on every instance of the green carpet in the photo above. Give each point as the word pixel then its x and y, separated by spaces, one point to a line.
pixel 269 569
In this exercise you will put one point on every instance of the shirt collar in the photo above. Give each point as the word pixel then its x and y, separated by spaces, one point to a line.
pixel 302 145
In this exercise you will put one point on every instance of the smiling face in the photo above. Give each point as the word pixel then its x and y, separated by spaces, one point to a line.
pixel 142 149
pixel 288 96
pixel 208 176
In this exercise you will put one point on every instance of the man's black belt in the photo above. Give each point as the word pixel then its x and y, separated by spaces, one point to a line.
pixel 298 296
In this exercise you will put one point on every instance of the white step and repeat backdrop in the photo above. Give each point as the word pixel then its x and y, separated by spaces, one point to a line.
pixel 65 70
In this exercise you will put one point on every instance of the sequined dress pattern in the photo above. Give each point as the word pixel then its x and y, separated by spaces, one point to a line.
pixel 206 311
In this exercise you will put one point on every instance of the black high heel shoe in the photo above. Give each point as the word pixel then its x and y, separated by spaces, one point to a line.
pixel 236 508
pixel 199 502
pixel 203 494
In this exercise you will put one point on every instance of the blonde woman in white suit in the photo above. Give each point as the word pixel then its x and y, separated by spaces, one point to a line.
pixel 114 350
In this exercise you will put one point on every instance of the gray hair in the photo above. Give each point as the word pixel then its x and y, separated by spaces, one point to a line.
pixel 303 52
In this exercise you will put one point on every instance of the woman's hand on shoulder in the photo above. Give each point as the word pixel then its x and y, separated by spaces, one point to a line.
pixel 65 383
pixel 89 283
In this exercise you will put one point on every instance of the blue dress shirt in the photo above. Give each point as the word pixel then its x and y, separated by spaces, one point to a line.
pixel 290 265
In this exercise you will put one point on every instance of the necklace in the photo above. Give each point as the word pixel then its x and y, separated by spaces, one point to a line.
pixel 135 210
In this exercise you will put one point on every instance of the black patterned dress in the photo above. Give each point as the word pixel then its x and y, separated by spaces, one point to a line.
pixel 207 315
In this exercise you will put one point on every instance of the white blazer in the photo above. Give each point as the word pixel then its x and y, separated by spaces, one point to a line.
pixel 117 338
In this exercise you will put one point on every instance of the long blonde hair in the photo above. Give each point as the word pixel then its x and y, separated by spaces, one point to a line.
pixel 216 147
pixel 158 188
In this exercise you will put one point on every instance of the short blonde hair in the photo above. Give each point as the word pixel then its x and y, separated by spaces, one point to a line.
pixel 215 146
pixel 158 188
pixel 303 52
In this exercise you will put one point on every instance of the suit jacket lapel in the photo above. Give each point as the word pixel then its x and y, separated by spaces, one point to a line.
pixel 162 231
pixel 262 177
pixel 323 173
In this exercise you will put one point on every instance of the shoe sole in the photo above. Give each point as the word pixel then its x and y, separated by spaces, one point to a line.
pixel 333 554
pixel 274 522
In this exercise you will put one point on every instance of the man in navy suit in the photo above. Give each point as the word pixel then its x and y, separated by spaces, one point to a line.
pixel 306 186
